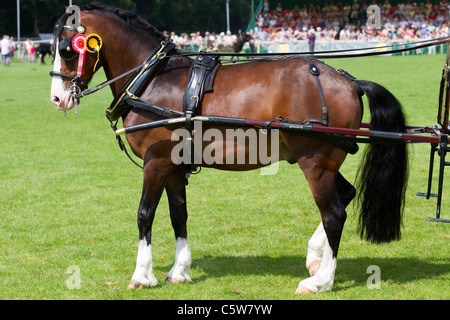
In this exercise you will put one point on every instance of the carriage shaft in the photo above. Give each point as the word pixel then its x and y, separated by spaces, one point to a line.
pixel 344 133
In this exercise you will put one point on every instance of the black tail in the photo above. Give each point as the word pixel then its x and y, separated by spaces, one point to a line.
pixel 383 174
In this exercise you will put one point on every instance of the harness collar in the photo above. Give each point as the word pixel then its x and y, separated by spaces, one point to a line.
pixel 140 77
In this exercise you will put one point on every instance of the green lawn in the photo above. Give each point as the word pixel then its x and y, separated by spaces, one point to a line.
pixel 69 197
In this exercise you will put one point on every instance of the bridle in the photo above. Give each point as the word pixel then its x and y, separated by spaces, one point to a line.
pixel 79 88
pixel 75 80
pixel 76 47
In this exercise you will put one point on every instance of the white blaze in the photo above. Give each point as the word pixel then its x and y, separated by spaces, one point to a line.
pixel 59 95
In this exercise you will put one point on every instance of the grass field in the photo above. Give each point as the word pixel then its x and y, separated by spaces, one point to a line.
pixel 69 197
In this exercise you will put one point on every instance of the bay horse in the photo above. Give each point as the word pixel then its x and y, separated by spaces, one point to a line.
pixel 258 90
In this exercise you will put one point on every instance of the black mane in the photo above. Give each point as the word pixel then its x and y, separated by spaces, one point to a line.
pixel 130 18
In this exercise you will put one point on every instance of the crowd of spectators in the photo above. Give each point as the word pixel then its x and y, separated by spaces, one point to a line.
pixel 345 20
pixel 338 20
pixel 224 41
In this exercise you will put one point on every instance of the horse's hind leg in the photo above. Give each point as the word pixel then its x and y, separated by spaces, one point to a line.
pixel 176 193
pixel 346 190
pixel 155 176
pixel 322 174
pixel 318 240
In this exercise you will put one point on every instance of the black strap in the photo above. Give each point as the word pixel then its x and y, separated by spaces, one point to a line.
pixel 106 83
pixel 157 59
pixel 196 84
pixel 72 78
pixel 160 111
pixel 316 73
pixel 202 67
pixel 353 80
pixel 60 74
pixel 335 54
pixel 121 144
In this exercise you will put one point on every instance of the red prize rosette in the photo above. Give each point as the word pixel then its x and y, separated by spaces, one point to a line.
pixel 78 46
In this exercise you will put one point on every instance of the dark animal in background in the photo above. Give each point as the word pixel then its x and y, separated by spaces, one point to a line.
pixel 44 49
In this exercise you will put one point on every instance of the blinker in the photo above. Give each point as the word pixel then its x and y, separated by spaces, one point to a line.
pixel 66 51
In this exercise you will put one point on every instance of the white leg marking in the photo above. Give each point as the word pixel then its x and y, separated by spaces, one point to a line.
pixel 323 279
pixel 180 270
pixel 315 250
pixel 144 265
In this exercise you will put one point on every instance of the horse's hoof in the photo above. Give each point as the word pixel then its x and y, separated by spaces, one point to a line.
pixel 135 285
pixel 302 290
pixel 314 268
pixel 172 280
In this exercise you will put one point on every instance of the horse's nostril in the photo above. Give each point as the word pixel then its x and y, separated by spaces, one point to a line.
pixel 55 99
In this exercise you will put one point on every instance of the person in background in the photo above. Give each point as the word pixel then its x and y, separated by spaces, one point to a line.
pixel 311 39
pixel 6 50
pixel 266 6
pixel 13 49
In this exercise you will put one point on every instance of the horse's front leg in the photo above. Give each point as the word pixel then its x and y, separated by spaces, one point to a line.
pixel 176 194
pixel 155 176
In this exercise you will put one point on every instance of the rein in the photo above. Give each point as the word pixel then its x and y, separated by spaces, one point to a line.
pixel 106 83
pixel 335 54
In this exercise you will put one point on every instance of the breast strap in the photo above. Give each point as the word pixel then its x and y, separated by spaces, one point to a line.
pixel 138 81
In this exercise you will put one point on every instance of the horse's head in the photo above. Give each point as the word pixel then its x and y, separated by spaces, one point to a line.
pixel 80 50
pixel 246 37
pixel 77 58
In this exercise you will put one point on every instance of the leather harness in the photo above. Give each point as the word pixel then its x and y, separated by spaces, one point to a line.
pixel 200 81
